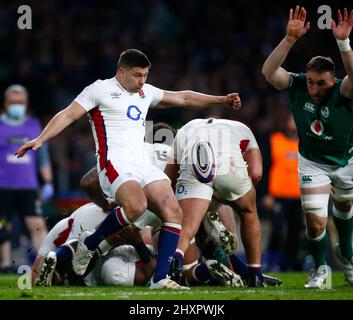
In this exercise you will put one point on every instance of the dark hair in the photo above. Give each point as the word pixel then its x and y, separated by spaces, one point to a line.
pixel 133 58
pixel 321 64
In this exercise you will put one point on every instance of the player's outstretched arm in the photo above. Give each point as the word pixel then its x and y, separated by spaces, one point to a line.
pixel 195 100
pixel 341 32
pixel 272 69
pixel 57 124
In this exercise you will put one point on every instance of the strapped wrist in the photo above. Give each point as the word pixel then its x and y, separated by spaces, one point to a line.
pixel 344 45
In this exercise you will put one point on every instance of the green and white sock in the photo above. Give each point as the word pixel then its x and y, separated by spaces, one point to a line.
pixel 318 248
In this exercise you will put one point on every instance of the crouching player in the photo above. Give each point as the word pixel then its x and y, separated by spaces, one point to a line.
pixel 131 263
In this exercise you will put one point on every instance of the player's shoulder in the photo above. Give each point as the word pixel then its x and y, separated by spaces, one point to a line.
pixel 297 79
pixel 88 208
pixel 149 89
pixel 233 124
pixel 193 124
pixel 240 125
pixel 100 83
pixel 148 86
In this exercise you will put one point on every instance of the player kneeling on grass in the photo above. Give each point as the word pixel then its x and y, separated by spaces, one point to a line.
pixel 131 264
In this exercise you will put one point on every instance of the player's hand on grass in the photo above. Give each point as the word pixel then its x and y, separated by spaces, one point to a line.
pixel 296 26
pixel 233 100
pixel 30 145
pixel 342 30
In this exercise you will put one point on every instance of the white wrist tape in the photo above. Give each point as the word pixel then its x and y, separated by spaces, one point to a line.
pixel 343 45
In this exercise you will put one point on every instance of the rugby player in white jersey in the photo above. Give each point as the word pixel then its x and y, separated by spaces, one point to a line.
pixel 208 157
pixel 131 262
pixel 117 108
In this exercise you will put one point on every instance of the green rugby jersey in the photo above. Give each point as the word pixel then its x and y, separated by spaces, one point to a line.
pixel 325 131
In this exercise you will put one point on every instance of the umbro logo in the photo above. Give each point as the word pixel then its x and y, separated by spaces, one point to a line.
pixel 115 95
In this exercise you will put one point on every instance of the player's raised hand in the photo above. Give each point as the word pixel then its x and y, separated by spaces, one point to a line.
pixel 233 100
pixel 30 145
pixel 296 26
pixel 342 30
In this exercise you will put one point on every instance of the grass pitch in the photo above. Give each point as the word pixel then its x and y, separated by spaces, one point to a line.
pixel 292 289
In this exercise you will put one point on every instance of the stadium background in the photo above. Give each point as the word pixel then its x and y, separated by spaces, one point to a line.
pixel 214 47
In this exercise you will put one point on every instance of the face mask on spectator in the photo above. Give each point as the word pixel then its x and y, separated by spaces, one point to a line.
pixel 16 111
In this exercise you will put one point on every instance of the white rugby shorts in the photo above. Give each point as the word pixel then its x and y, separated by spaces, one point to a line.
pixel 312 175
pixel 116 173
pixel 230 186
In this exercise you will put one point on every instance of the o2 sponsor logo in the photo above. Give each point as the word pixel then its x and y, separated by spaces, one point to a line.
pixel 134 113
pixel 181 189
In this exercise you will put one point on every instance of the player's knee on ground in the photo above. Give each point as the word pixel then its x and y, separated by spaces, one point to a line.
pixel 315 204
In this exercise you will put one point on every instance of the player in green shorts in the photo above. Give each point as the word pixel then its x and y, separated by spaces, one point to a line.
pixel 322 106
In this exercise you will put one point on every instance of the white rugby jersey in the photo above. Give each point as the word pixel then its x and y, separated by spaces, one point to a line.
pixel 86 217
pixel 118 119
pixel 228 138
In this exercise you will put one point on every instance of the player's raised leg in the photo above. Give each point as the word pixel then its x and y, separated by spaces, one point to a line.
pixel 133 203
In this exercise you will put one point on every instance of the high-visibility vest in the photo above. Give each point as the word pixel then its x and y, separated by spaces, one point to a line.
pixel 283 177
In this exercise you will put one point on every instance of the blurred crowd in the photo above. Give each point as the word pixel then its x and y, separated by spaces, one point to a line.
pixel 215 47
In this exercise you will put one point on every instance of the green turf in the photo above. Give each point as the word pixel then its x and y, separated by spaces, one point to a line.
pixel 292 289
